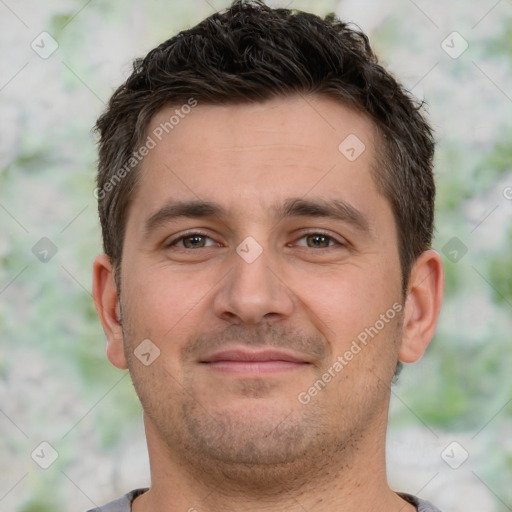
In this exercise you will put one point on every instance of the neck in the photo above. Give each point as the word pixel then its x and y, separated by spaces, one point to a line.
pixel 347 478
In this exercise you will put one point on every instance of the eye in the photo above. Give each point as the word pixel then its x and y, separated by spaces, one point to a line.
pixel 193 240
pixel 198 240
pixel 319 240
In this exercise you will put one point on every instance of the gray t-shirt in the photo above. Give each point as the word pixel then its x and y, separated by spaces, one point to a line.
pixel 124 503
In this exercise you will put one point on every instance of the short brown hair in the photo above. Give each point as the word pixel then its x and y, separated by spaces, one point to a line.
pixel 252 53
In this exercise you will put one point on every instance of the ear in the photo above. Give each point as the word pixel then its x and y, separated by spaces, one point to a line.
pixel 422 305
pixel 106 301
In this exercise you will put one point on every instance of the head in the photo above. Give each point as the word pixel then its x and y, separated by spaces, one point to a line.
pixel 252 107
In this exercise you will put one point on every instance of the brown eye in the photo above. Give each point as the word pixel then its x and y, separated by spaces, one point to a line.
pixel 190 241
pixel 319 241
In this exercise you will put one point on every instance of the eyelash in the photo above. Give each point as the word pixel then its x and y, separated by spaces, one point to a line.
pixel 173 243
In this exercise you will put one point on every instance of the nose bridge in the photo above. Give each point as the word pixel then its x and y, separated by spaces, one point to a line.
pixel 252 288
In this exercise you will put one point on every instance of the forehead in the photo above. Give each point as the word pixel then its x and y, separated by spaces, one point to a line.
pixel 248 157
pixel 286 129
pixel 304 123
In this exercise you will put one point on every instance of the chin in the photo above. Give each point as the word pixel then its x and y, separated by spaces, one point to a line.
pixel 250 432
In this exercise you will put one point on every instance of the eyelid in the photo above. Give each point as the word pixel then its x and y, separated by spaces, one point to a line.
pixel 179 237
pixel 303 234
pixel 337 239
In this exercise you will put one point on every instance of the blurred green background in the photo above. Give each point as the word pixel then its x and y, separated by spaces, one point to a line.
pixel 55 382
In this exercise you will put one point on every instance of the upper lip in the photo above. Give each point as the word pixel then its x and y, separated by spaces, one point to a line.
pixel 253 356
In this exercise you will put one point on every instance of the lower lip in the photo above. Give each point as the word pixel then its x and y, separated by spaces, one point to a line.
pixel 254 367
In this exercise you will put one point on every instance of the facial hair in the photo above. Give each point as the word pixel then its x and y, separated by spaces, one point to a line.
pixel 263 446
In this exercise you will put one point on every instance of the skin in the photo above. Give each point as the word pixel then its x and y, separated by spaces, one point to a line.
pixel 241 440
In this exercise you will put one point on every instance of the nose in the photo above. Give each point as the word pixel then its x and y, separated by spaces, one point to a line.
pixel 253 290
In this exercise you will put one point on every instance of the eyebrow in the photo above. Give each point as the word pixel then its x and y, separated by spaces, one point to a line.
pixel 335 209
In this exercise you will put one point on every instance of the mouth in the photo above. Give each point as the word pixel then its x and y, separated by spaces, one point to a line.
pixel 243 361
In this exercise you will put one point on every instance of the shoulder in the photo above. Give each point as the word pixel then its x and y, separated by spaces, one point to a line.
pixel 421 505
pixel 122 504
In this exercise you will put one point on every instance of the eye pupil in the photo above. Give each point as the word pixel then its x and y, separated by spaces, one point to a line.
pixel 188 239
pixel 324 240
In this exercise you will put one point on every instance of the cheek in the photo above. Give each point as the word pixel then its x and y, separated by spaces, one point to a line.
pixel 347 310
pixel 347 301
pixel 166 305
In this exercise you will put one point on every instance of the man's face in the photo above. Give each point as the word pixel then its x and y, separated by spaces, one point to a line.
pixel 262 299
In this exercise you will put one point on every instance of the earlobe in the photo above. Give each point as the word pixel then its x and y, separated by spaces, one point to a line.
pixel 422 306
pixel 106 301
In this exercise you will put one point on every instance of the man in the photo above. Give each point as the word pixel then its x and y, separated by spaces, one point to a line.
pixel 266 200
